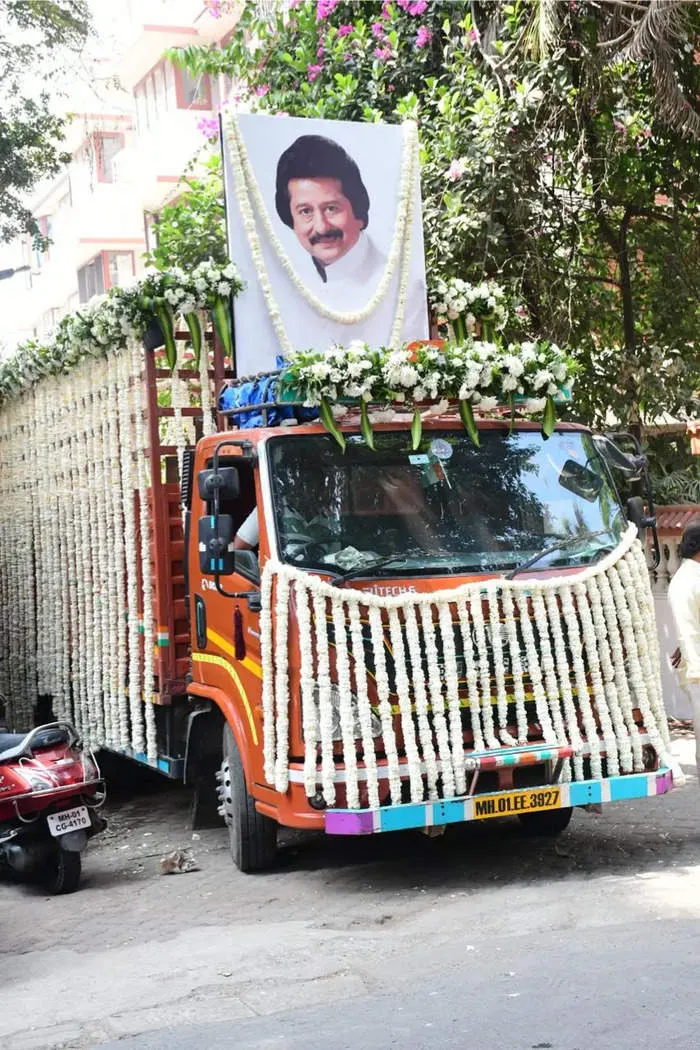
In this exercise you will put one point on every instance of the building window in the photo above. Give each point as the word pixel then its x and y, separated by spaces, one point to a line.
pixel 120 268
pixel 158 93
pixel 192 93
pixel 107 145
pixel 91 279
pixel 40 256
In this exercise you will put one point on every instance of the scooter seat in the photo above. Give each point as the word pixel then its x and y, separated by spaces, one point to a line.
pixel 11 743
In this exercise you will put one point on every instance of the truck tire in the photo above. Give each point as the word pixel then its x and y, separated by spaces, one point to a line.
pixel 62 872
pixel 547 822
pixel 252 837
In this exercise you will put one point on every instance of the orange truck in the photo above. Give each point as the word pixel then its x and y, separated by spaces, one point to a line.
pixel 421 635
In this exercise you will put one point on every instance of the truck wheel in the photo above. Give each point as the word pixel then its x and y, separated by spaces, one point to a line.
pixel 252 837
pixel 62 872
pixel 547 822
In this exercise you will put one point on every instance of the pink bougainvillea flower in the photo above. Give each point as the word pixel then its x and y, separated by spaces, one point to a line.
pixel 456 170
pixel 262 90
pixel 324 8
pixel 378 30
pixel 209 126
pixel 424 37
pixel 312 72
pixel 346 30
pixel 386 9
pixel 382 53
pixel 419 8
pixel 473 36
pixel 321 51
pixel 404 4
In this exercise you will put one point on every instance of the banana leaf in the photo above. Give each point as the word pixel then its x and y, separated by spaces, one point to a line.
pixel 366 426
pixel 550 418
pixel 329 423
pixel 221 316
pixel 192 322
pixel 416 429
pixel 167 324
pixel 466 414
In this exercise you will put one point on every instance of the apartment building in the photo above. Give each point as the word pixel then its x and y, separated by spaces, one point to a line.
pixel 129 143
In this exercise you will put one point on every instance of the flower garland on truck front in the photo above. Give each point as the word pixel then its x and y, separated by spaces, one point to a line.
pixel 562 621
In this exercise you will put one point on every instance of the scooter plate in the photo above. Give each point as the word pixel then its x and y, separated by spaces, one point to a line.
pixel 68 820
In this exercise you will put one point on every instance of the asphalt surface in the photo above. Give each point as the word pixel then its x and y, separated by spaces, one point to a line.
pixel 481 939
pixel 619 989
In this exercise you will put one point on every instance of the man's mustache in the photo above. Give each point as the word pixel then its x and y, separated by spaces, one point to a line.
pixel 319 238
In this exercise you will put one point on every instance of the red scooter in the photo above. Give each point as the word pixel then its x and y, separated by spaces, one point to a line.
pixel 50 792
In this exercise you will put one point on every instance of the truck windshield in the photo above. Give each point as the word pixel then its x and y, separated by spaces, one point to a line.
pixel 447 507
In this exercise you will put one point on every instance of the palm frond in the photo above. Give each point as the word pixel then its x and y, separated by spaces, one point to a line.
pixel 544 29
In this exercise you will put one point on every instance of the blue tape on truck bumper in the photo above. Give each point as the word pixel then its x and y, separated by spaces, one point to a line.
pixel 458 810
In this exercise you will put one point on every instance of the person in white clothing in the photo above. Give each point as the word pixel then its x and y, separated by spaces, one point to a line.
pixel 248 535
pixel 684 599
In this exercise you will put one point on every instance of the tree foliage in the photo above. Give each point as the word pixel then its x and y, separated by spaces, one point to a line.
pixel 31 32
pixel 559 154
pixel 192 227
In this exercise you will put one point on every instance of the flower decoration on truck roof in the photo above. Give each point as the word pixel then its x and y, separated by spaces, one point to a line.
pixel 475 375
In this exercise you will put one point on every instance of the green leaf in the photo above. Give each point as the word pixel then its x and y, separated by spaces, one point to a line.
pixel 165 318
pixel 416 429
pixel 466 414
pixel 329 423
pixel 192 322
pixel 550 418
pixel 221 316
pixel 366 426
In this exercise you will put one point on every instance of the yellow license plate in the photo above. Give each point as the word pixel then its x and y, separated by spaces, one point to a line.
pixel 510 803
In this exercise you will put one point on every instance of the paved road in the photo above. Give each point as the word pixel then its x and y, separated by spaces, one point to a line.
pixel 482 939
pixel 617 988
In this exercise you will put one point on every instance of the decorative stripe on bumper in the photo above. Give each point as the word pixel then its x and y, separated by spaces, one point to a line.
pixel 458 810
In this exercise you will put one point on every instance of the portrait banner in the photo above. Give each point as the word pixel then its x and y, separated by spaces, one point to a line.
pixel 324 225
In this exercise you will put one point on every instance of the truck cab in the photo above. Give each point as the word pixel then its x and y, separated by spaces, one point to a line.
pixel 395 523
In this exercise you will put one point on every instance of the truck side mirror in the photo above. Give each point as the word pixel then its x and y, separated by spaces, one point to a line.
pixel 225 480
pixel 580 480
pixel 636 513
pixel 216 554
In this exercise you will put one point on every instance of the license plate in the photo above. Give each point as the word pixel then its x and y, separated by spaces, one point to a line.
pixel 510 803
pixel 69 820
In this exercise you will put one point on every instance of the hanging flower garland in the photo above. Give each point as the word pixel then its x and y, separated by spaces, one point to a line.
pixel 548 609
pixel 252 205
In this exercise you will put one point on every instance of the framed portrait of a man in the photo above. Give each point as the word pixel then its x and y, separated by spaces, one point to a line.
pixel 324 225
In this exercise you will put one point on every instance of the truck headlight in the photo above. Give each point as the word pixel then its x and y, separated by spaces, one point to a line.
pixel 337 732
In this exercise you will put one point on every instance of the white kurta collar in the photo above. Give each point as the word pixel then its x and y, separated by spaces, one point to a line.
pixel 353 265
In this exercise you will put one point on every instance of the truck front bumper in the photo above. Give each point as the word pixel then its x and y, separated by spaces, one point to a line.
pixel 459 810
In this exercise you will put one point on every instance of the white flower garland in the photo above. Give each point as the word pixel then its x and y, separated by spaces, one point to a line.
pixel 347 716
pixel 425 733
pixel 437 700
pixel 595 624
pixel 149 633
pixel 205 400
pixel 363 703
pixel 402 686
pixel 399 252
pixel 127 443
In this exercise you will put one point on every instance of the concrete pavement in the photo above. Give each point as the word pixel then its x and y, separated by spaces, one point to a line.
pixel 585 942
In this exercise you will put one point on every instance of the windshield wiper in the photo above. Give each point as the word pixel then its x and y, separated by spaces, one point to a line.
pixel 563 545
pixel 372 566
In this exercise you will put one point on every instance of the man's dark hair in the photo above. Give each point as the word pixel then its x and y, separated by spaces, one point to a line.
pixel 315 157
pixel 690 540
